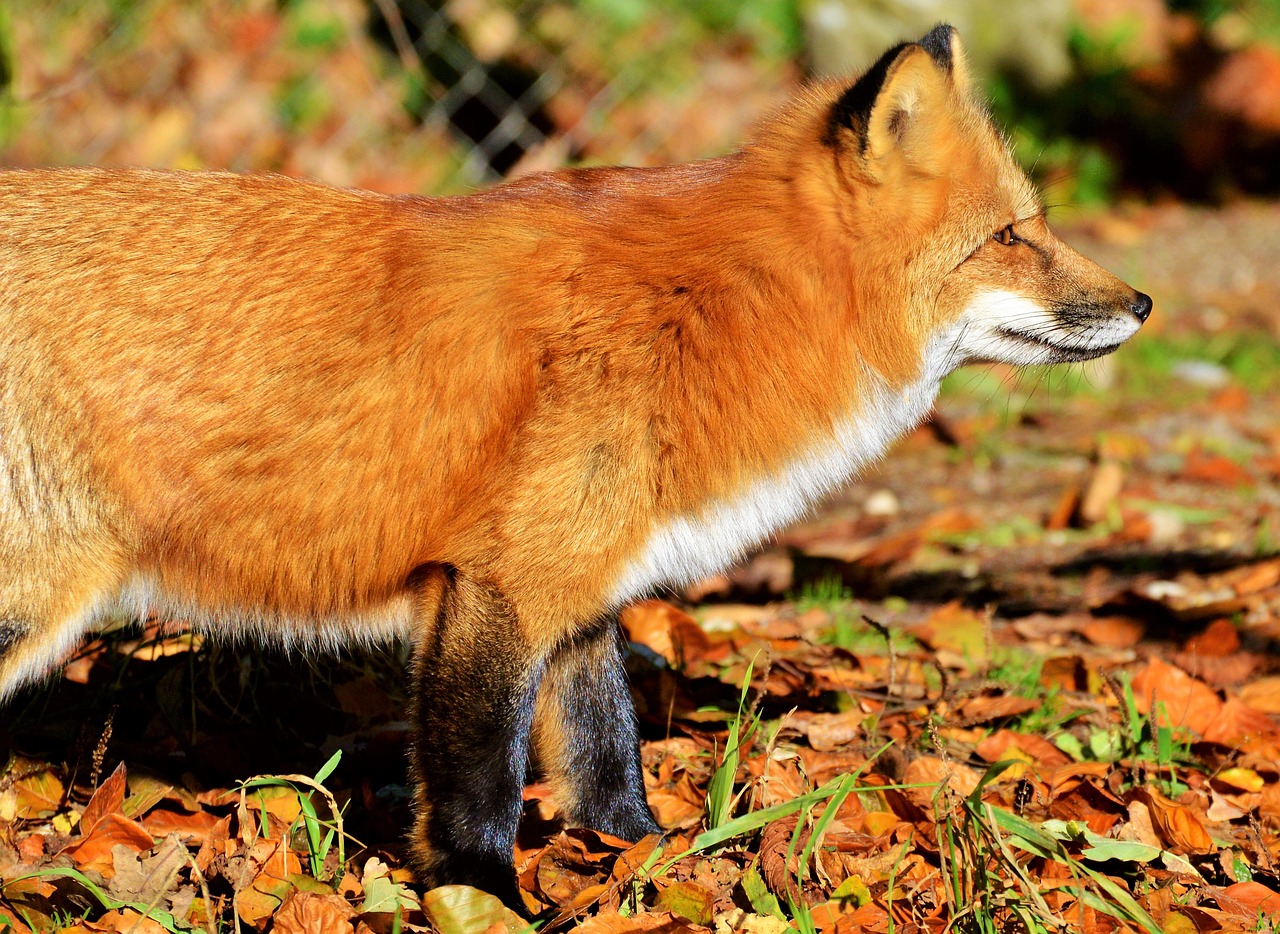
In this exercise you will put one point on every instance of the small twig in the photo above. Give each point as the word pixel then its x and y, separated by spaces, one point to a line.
pixel 883 630
pixel 1118 692
pixel 100 750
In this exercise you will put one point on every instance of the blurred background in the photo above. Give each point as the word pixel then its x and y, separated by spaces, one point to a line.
pixel 1104 99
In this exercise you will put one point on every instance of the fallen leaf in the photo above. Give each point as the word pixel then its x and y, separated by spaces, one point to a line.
pixel 314 913
pixel 1263 694
pixel 39 792
pixel 1178 825
pixel 688 900
pixel 932 771
pixel 461 909
pixel 1256 897
pixel 986 708
pixel 1186 701
pixel 667 630
pixel 194 828
pixel 95 851
pixel 1037 750
pixel 128 921
pixel 1218 638
pixel 107 799
pixel 1104 487
pixel 1115 632
pixel 649 922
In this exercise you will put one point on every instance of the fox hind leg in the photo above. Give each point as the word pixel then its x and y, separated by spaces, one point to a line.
pixel 586 737
pixel 476 680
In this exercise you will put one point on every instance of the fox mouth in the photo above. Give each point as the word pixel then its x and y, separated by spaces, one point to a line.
pixel 1060 352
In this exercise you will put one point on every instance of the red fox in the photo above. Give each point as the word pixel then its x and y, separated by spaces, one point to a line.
pixel 489 422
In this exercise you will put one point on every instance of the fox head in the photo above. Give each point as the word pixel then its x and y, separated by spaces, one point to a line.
pixel 952 254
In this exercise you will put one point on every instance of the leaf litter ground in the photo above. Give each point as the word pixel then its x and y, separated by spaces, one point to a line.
pixel 1022 677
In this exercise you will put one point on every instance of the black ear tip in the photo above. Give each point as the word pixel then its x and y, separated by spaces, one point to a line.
pixel 937 42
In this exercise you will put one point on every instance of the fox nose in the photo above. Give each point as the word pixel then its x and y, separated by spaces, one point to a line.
pixel 1141 306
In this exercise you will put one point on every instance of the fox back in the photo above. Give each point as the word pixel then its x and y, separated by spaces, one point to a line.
pixel 489 422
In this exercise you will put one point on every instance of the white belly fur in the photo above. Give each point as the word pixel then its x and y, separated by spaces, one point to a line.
pixel 689 547
pixel 142 596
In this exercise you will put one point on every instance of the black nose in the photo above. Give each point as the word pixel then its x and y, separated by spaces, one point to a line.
pixel 1141 306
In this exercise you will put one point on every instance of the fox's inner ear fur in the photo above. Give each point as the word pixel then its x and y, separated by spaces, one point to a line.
pixel 879 108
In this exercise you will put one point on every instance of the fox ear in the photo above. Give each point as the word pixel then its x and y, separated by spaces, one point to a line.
pixel 883 103
pixel 942 42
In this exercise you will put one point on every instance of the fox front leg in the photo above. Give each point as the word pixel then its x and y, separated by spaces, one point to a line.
pixel 585 735
pixel 477 679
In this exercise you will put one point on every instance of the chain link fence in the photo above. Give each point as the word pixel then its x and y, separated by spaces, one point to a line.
pixel 404 95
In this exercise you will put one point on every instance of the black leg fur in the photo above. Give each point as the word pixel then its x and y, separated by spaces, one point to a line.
pixel 477 678
pixel 586 737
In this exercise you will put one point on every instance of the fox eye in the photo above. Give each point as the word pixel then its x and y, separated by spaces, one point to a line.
pixel 1005 236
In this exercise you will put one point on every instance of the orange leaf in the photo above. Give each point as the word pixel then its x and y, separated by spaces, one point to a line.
pixel 667 630
pixel 269 890
pixel 1218 638
pixel 106 800
pixel 194 828
pixel 128 920
pixel 650 922
pixel 1263 694
pixel 38 795
pixel 94 851
pixel 1004 744
pixel 1240 725
pixel 1215 469
pixel 1187 702
pixel 1180 827
pixel 932 771
pixel 314 913
pixel 1256 897
pixel 1113 632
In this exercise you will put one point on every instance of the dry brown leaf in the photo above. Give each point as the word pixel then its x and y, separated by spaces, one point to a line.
pixel 1187 702
pixel 984 709
pixel 95 850
pixel 38 793
pixel 1139 827
pixel 903 545
pixel 1113 632
pixel 648 922
pixel 31 848
pixel 1179 826
pixel 217 843
pixel 1104 487
pixel 933 771
pixel 827 732
pixel 314 913
pixel 1240 725
pixel 1218 638
pixel 107 799
pixel 194 828
pixel 1005 744
pixel 146 880
pixel 667 630
pixel 127 921
pixel 1262 694
pixel 1256 898
pixel 674 812
pixel 270 887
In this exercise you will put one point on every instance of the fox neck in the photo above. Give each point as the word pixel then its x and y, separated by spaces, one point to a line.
pixel 702 541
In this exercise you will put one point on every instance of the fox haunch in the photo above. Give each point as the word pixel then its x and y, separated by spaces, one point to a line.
pixel 489 422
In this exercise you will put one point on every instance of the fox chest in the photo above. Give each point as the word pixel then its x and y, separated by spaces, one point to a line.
pixel 684 548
